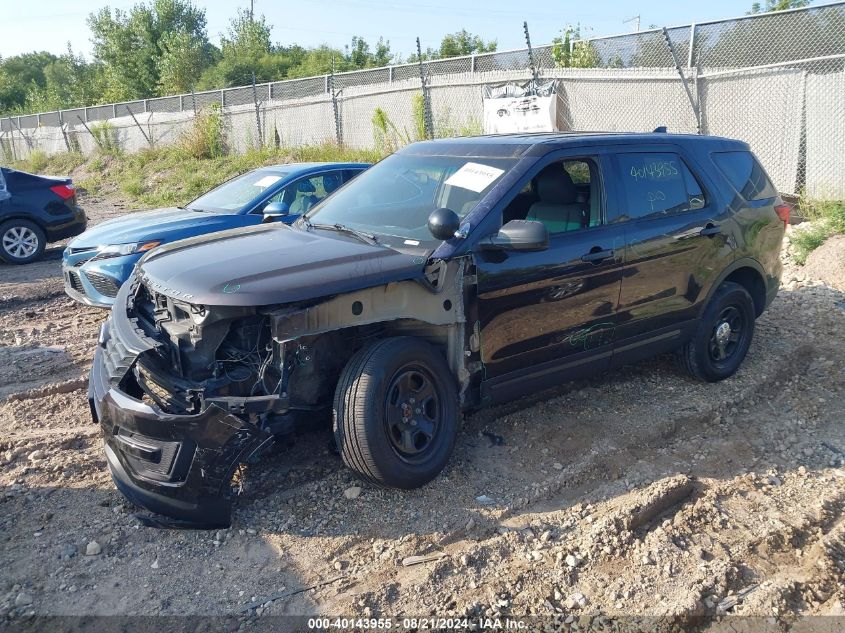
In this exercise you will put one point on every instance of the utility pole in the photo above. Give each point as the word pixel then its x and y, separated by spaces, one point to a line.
pixel 252 9
pixel 635 19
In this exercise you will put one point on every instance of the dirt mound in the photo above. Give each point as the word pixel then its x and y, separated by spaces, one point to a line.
pixel 827 263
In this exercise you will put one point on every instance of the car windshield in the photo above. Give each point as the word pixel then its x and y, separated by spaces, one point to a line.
pixel 238 193
pixel 394 198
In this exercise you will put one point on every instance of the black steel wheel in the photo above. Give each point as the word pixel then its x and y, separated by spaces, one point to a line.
pixel 396 413
pixel 412 412
pixel 724 334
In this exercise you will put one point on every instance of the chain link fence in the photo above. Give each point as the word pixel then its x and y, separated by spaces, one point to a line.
pixel 775 80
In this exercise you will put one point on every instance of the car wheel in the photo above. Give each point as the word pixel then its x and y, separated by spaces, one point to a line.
pixel 21 241
pixel 396 413
pixel 724 335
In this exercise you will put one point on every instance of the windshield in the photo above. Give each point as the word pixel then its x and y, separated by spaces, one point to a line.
pixel 394 198
pixel 238 193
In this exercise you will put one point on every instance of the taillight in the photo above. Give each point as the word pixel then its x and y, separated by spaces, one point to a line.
pixel 783 212
pixel 65 192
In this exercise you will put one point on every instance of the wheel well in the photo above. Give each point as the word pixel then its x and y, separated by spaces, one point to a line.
pixel 22 216
pixel 752 281
pixel 328 352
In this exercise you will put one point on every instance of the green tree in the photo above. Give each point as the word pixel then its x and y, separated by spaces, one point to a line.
pixel 777 5
pixel 570 51
pixel 318 61
pixel 247 49
pixel 465 43
pixel 359 54
pixel 130 45
pixel 19 75
pixel 183 58
pixel 457 44
pixel 69 81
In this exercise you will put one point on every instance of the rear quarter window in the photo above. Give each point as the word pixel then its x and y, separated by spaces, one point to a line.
pixel 745 174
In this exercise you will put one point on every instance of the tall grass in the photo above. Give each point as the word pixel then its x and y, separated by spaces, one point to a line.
pixel 105 136
pixel 38 160
pixel 206 137
pixel 173 176
pixel 827 217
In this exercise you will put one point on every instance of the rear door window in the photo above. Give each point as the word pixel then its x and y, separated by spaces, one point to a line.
pixel 745 174
pixel 655 184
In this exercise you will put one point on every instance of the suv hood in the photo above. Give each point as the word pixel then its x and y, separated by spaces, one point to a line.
pixel 271 264
pixel 166 225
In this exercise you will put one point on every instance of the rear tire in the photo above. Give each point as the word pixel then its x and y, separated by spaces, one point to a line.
pixel 21 241
pixel 724 335
pixel 396 413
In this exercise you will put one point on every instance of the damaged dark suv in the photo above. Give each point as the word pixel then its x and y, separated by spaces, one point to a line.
pixel 453 274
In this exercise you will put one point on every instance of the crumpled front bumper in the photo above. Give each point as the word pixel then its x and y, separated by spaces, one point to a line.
pixel 179 466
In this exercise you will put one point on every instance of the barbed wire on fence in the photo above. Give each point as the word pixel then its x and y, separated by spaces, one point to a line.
pixel 775 80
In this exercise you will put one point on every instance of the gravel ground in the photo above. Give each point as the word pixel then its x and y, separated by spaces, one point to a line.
pixel 636 493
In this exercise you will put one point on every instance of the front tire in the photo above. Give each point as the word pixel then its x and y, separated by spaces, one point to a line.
pixel 396 413
pixel 21 241
pixel 724 335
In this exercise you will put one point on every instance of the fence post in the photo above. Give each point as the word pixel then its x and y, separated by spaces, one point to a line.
pixel 222 100
pixel 257 112
pixel 85 112
pixel 147 138
pixel 146 106
pixel 428 123
pixel 62 128
pixel 114 110
pixel 88 129
pixel 20 131
pixel 390 75
pixel 338 126
pixel 472 65
pixel 12 143
pixel 181 103
pixel 531 65
pixel 690 56
pixel 680 71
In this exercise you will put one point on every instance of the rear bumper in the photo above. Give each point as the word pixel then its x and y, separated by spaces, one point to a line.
pixel 70 228
pixel 180 466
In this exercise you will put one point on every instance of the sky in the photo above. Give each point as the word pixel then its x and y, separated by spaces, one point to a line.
pixel 50 24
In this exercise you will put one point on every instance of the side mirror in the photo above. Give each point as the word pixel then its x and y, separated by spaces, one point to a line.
pixel 520 235
pixel 443 223
pixel 275 210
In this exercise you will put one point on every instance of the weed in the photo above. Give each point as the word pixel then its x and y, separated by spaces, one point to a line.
pixel 105 136
pixel 387 136
pixel 206 137
pixel 827 217
pixel 38 160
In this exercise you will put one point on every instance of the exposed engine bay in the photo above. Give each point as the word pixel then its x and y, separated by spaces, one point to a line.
pixel 269 364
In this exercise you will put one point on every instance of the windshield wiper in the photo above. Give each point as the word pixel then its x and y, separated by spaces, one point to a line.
pixel 369 238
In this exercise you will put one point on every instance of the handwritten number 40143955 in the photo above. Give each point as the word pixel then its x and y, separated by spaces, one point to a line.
pixel 655 170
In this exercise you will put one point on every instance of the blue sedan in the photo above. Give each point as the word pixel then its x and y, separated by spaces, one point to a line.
pixel 96 263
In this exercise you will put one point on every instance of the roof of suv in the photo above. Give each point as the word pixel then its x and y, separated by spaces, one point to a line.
pixel 514 145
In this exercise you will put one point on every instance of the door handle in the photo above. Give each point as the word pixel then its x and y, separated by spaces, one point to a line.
pixel 596 256
pixel 711 230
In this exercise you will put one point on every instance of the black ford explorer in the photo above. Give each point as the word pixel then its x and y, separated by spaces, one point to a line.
pixel 453 274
